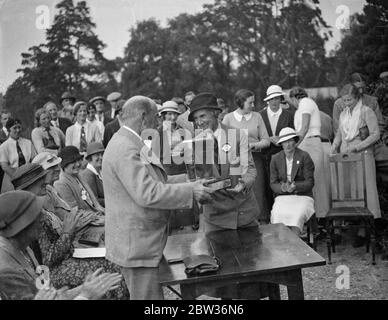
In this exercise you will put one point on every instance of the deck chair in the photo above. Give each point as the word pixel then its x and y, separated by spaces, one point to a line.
pixel 348 198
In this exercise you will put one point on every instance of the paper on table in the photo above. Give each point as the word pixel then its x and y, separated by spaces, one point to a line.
pixel 82 253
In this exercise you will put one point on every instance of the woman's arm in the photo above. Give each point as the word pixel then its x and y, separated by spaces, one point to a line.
pixel 306 117
pixel 337 142
pixel 373 127
pixel 308 173
pixel 7 168
pixel 37 140
pixel 264 142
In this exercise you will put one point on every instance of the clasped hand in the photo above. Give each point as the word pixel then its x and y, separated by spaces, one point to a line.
pixel 288 187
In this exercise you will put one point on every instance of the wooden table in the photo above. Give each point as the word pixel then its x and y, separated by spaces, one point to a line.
pixel 270 254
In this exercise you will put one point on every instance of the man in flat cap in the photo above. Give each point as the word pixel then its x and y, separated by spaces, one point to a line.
pixel 102 115
pixel 113 99
pixel 138 198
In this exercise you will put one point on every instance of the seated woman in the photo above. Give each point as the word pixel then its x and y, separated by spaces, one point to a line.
pixel 71 187
pixel 46 137
pixel 20 213
pixel 92 174
pixel 358 131
pixel 292 181
pixel 56 239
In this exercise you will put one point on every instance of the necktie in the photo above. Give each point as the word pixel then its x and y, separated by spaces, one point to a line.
pixel 83 143
pixel 50 142
pixel 22 160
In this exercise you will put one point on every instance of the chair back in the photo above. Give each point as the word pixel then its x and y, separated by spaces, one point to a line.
pixel 348 187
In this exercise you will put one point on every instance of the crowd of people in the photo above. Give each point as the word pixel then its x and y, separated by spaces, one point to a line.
pixel 85 164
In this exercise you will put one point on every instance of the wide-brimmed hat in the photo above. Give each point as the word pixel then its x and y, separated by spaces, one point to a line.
pixel 26 175
pixel 287 134
pixel 18 209
pixel 93 148
pixel 169 106
pixel 114 96
pixel 67 95
pixel 273 92
pixel 69 155
pixel 93 100
pixel 202 101
pixel 47 160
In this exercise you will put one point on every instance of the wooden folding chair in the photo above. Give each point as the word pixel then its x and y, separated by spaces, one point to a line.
pixel 348 198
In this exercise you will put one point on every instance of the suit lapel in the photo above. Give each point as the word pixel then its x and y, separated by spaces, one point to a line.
pixel 264 115
pixel 283 166
pixel 280 123
pixel 295 164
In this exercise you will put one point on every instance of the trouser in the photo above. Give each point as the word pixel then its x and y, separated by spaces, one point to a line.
pixel 143 283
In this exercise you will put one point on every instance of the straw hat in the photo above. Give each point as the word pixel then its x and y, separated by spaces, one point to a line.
pixel 273 92
pixel 47 160
pixel 286 134
pixel 169 106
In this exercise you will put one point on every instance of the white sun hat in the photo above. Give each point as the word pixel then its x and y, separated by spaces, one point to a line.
pixel 169 106
pixel 286 134
pixel 274 91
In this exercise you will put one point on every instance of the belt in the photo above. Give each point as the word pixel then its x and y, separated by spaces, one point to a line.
pixel 325 140
pixel 313 137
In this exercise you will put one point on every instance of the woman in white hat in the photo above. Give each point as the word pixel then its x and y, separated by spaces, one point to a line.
pixel 292 181
pixel 171 134
pixel 245 118
pixel 307 123
pixel 275 119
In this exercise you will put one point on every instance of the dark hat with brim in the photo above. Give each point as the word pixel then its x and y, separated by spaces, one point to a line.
pixel 26 175
pixel 93 148
pixel 69 155
pixel 18 210
pixel 202 101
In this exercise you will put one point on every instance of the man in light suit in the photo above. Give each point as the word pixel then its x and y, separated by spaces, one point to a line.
pixel 138 197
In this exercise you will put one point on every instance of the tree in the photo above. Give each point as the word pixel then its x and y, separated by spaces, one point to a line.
pixel 364 47
pixel 231 44
pixel 71 59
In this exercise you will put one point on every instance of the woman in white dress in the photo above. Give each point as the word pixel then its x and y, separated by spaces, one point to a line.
pixel 292 181
pixel 307 123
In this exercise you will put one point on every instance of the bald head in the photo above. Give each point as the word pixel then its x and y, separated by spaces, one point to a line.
pixel 139 113
pixel 138 105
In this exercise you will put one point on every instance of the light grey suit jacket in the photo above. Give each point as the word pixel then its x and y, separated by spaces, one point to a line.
pixel 138 197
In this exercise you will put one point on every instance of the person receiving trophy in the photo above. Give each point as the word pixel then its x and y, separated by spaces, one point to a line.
pixel 221 154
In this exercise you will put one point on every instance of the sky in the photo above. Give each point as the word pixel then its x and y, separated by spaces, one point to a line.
pixel 23 22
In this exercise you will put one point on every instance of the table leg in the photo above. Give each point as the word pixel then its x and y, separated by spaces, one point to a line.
pixel 273 291
pixel 295 290
pixel 187 292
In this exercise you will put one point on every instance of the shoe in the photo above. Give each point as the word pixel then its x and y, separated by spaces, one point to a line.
pixel 359 242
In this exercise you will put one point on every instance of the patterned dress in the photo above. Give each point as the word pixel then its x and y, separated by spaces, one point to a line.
pixel 57 251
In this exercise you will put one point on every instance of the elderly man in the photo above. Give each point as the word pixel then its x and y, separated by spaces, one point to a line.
pixel 56 121
pixel 5 115
pixel 138 197
pixel 235 207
